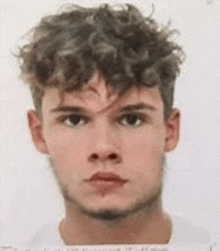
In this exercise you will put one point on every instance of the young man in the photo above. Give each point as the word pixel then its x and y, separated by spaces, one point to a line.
pixel 102 81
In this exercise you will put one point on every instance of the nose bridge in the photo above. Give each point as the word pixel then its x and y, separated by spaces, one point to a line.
pixel 105 139
pixel 105 144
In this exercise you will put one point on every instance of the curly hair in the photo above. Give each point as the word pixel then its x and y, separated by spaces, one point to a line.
pixel 128 49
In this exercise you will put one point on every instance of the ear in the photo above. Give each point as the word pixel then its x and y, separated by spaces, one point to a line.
pixel 172 131
pixel 35 124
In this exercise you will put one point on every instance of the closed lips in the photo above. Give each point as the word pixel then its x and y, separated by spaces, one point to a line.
pixel 107 176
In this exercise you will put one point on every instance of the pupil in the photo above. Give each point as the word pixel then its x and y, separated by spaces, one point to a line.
pixel 75 119
pixel 131 119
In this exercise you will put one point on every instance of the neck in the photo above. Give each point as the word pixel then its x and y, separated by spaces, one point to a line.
pixel 147 226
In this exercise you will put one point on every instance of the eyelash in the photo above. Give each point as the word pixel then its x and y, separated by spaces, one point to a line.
pixel 64 118
pixel 138 116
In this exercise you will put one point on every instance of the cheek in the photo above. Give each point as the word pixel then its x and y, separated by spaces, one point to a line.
pixel 145 143
pixel 66 148
pixel 144 153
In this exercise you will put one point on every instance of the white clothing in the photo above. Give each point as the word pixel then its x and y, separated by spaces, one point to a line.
pixel 183 233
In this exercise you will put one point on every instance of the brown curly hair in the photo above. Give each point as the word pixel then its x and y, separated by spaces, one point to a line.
pixel 128 49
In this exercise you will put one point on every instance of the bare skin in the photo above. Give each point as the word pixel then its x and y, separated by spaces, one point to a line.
pixel 94 132
pixel 140 228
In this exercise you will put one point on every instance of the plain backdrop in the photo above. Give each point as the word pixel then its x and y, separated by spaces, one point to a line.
pixel 29 196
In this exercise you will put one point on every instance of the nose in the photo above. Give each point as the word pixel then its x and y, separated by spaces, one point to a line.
pixel 105 149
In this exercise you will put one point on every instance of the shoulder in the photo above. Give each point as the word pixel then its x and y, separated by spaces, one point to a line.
pixel 47 235
pixel 184 232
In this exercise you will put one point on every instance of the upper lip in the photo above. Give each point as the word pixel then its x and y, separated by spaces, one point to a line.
pixel 108 176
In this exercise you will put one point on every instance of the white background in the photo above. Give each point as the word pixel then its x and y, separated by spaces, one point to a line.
pixel 29 197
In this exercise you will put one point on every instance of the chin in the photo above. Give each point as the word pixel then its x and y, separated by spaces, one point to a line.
pixel 105 214
pixel 103 209
pixel 112 207
pixel 112 210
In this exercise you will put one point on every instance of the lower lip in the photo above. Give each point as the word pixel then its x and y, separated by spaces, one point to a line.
pixel 106 186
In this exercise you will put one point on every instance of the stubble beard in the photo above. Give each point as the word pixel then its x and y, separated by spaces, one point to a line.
pixel 144 205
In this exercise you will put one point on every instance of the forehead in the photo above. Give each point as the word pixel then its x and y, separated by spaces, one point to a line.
pixel 97 96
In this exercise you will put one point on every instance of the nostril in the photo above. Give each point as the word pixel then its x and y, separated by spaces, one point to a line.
pixel 94 156
pixel 104 157
pixel 113 156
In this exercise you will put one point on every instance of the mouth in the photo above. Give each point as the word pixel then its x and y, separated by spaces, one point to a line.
pixel 106 176
pixel 105 182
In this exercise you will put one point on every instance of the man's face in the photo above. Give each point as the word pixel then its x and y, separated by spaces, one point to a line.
pixel 107 151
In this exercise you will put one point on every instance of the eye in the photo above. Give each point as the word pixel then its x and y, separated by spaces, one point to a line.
pixel 74 120
pixel 132 120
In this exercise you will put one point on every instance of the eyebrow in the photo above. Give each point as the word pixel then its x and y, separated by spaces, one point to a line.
pixel 138 106
pixel 127 108
pixel 67 108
